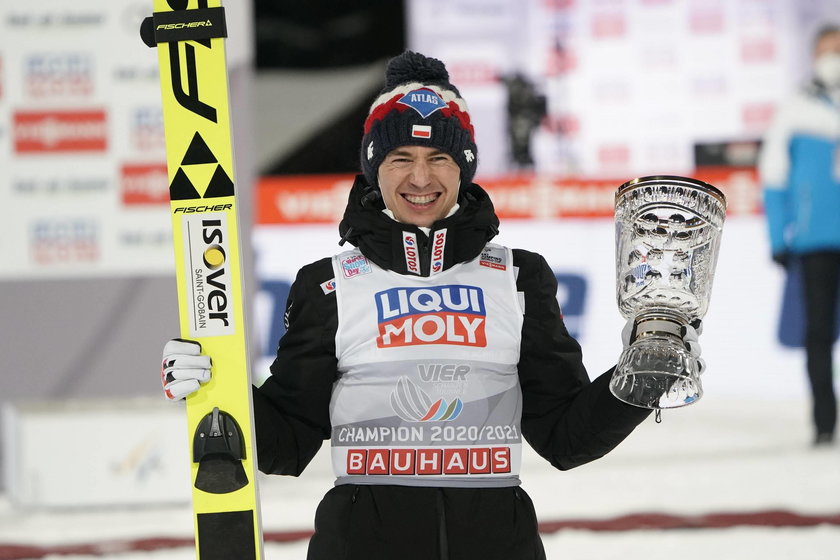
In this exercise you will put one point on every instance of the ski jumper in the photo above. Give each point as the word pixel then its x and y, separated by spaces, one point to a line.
pixel 428 359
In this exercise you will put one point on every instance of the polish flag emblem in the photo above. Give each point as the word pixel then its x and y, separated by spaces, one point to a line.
pixel 421 131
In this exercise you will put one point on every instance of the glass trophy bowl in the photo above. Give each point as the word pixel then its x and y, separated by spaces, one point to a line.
pixel 668 232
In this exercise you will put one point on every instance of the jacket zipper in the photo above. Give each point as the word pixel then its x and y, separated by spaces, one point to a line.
pixel 443 540
pixel 425 254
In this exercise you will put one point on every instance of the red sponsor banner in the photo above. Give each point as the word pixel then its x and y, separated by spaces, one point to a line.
pixel 561 60
pixel 758 50
pixel 706 20
pixel 302 199
pixel 614 154
pixel 320 199
pixel 609 25
pixel 144 183
pixel 563 123
pixel 757 116
pixel 60 131
pixel 473 72
pixel 558 4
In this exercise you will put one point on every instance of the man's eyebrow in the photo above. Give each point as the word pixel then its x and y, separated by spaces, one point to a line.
pixel 406 153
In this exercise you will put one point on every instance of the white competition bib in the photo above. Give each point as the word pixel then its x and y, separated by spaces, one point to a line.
pixel 428 391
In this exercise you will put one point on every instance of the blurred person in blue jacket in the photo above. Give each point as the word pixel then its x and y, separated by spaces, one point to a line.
pixel 800 175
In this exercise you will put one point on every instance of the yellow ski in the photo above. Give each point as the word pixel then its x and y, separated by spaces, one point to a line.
pixel 189 36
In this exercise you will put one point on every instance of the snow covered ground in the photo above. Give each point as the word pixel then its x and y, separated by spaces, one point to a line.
pixel 720 456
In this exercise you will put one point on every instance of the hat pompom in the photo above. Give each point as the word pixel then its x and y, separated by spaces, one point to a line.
pixel 414 67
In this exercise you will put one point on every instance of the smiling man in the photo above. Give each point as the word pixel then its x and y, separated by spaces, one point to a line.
pixel 426 354
pixel 419 185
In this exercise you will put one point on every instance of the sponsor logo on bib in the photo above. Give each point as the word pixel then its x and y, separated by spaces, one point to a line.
pixel 419 462
pixel 355 265
pixel 451 314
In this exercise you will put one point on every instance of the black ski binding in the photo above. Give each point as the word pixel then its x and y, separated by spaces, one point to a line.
pixel 218 449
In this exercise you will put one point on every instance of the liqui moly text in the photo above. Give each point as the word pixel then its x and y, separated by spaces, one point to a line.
pixel 450 314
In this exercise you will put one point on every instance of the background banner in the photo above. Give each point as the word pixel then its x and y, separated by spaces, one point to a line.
pixel 82 153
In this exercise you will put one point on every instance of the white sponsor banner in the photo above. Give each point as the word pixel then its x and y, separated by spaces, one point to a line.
pixel 629 87
pixel 84 183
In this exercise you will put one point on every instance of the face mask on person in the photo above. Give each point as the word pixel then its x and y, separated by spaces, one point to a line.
pixel 827 69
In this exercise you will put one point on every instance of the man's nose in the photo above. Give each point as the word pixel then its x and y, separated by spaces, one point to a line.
pixel 421 173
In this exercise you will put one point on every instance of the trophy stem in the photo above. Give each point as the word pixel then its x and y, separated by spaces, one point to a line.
pixel 663 321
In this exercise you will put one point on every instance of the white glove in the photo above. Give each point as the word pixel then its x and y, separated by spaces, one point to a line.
pixel 184 368
pixel 690 337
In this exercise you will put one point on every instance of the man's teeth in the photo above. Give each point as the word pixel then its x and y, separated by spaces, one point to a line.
pixel 425 199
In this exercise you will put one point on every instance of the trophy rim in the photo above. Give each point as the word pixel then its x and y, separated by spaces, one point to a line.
pixel 672 179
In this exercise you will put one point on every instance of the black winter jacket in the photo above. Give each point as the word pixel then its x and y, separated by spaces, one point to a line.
pixel 566 418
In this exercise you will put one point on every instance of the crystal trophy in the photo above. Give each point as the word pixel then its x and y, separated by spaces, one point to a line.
pixel 668 232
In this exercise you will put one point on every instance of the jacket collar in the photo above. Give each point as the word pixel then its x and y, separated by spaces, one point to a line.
pixel 405 248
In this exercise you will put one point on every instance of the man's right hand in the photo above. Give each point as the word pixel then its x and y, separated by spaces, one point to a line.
pixel 184 368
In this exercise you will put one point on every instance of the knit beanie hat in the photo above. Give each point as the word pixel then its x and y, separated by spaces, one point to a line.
pixel 418 107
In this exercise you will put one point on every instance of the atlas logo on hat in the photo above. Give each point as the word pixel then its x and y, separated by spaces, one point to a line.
pixel 423 100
